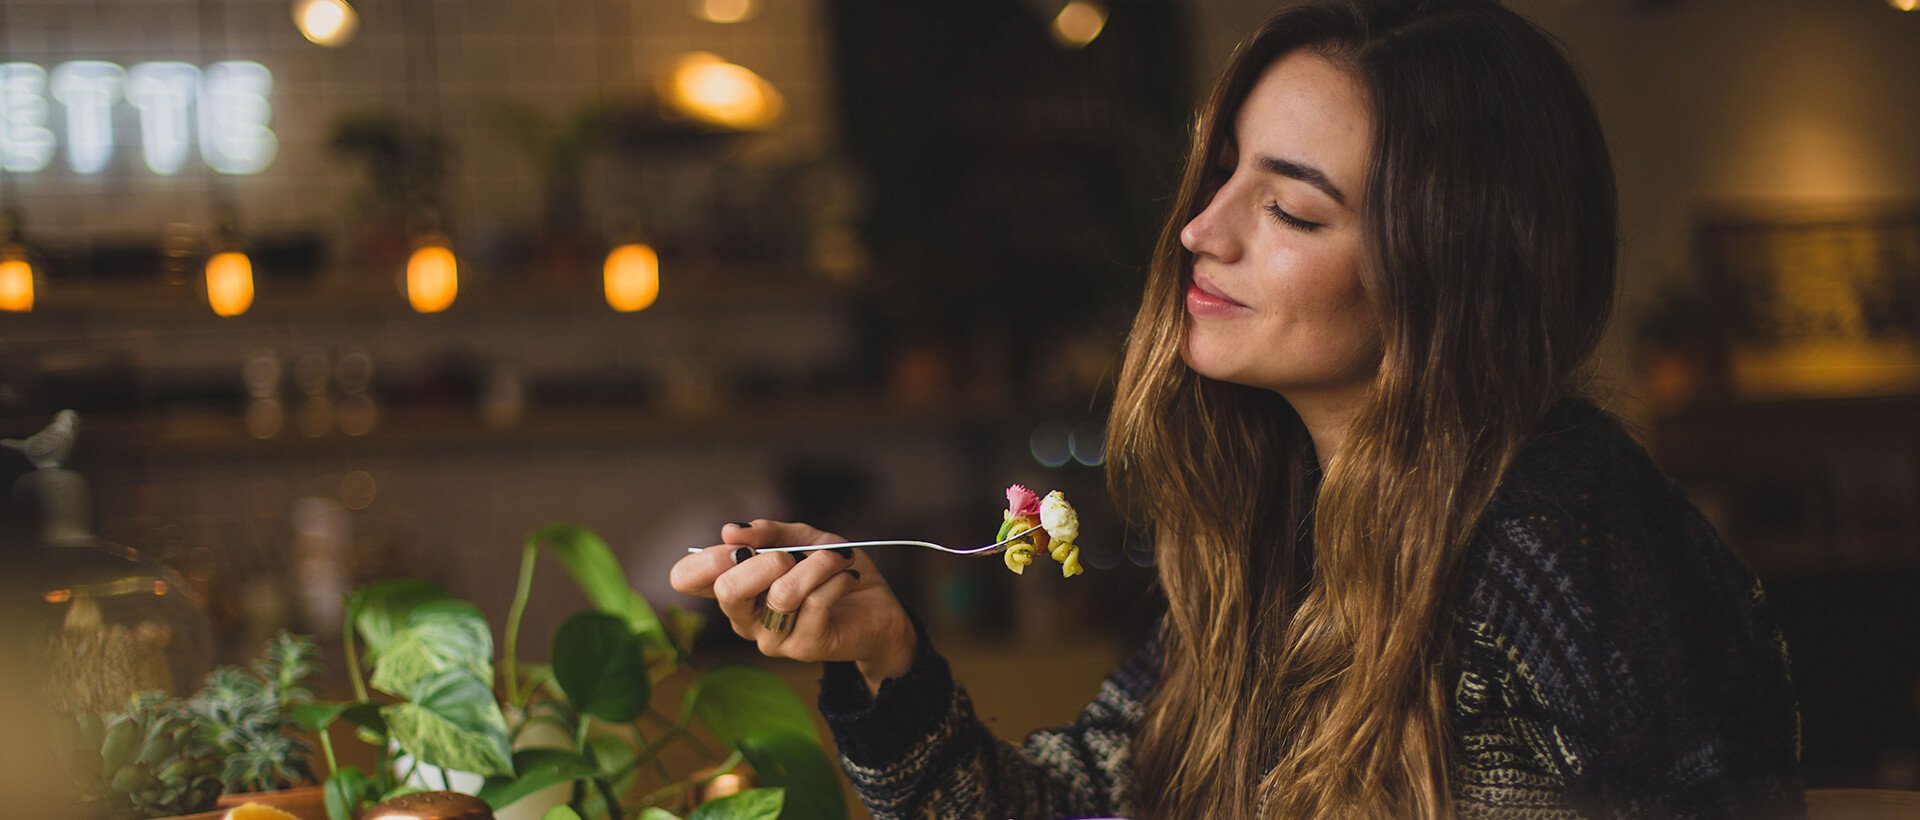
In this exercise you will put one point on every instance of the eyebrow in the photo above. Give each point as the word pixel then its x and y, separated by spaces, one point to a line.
pixel 1305 173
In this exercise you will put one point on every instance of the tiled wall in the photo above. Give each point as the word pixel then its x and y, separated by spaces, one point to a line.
pixel 445 60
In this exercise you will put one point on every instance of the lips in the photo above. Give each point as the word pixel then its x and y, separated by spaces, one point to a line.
pixel 1205 300
pixel 1207 288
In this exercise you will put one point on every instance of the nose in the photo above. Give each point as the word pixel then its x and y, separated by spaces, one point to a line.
pixel 1210 233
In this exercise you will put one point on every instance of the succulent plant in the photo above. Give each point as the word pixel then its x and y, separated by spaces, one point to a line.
pixel 246 715
pixel 149 761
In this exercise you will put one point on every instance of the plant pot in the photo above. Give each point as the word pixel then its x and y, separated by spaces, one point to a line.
pixel 304 802
pixel 531 807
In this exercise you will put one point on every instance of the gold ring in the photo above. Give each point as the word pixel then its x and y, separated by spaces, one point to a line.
pixel 781 622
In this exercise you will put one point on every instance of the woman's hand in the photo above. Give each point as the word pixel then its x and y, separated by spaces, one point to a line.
pixel 844 609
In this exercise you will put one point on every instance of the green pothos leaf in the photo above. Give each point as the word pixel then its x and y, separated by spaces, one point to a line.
pixel 344 792
pixel 592 565
pixel 535 769
pixel 437 636
pixel 799 765
pixel 380 609
pixel 601 667
pixel 752 804
pixel 453 722
pixel 735 701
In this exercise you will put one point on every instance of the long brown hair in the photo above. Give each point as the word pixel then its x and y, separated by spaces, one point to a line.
pixel 1306 646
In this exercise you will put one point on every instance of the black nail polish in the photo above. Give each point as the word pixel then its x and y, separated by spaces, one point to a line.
pixel 844 552
pixel 855 573
pixel 745 525
pixel 742 554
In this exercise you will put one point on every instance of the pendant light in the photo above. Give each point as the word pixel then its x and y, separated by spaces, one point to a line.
pixel 16 279
pixel 329 23
pixel 432 278
pixel 632 277
pixel 433 274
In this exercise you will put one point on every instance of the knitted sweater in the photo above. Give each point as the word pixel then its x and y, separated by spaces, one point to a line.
pixel 1613 658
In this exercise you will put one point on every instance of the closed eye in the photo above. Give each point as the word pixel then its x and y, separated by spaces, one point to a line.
pixel 1274 210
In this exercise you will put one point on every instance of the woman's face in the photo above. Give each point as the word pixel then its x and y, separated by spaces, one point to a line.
pixel 1274 292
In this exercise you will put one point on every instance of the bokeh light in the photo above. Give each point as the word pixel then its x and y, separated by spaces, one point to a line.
pixel 725 11
pixel 1078 23
pixel 230 283
pixel 1051 445
pixel 433 278
pixel 330 23
pixel 632 275
pixel 707 89
pixel 16 284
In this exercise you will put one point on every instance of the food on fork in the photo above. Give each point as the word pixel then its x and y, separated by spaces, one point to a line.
pixel 1055 528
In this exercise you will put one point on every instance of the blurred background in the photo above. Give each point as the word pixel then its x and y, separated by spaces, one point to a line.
pixel 345 292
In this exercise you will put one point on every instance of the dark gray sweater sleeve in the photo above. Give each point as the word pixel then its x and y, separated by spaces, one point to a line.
pixel 916 749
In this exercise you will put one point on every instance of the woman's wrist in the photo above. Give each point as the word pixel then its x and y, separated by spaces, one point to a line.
pixel 892 662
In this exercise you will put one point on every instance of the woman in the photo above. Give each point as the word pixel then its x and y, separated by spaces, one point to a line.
pixel 1409 570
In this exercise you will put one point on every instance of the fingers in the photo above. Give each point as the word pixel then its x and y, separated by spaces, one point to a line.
pixel 739 589
pixel 811 640
pixel 761 533
pixel 695 574
pixel 790 590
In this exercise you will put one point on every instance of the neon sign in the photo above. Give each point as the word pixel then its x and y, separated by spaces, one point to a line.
pixel 228 104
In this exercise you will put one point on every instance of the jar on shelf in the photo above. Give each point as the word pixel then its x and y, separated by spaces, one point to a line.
pixel 112 620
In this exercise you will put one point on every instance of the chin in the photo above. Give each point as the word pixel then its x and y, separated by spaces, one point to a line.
pixel 1212 365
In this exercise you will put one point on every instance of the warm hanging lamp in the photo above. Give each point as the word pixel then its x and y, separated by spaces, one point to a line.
pixel 329 23
pixel 16 279
pixel 632 277
pixel 230 283
pixel 1078 23
pixel 433 274
pixel 16 270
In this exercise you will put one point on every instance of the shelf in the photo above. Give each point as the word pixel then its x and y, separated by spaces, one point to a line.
pixel 163 304
pixel 193 435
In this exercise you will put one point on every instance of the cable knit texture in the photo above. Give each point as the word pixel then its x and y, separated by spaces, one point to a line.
pixel 1612 658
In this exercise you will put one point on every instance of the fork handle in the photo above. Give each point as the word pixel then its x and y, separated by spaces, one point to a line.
pixel 846 544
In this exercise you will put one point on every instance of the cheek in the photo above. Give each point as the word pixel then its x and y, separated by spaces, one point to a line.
pixel 1328 311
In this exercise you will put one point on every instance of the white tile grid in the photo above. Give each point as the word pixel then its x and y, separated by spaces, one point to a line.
pixel 571 56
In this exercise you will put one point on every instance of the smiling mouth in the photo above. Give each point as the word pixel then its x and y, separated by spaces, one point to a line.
pixel 1200 292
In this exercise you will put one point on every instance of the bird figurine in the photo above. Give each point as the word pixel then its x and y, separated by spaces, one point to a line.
pixel 49 447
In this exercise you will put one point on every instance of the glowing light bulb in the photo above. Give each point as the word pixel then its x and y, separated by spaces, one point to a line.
pixel 230 283
pixel 632 278
pixel 1078 23
pixel 16 283
pixel 724 11
pixel 1905 5
pixel 330 23
pixel 433 278
pixel 706 88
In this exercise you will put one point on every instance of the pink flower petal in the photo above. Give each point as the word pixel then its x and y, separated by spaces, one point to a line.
pixel 1022 501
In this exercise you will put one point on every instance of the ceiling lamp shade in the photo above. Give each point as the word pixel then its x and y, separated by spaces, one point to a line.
pixel 329 23
pixel 632 276
pixel 230 283
pixel 724 11
pixel 16 281
pixel 1078 23
pixel 705 88
pixel 433 277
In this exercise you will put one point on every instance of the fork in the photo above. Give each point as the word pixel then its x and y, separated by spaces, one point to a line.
pixel 994 548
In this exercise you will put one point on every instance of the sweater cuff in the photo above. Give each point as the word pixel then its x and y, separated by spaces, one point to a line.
pixel 881 729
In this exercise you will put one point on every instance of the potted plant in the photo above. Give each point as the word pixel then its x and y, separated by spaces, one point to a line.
pixel 247 714
pixel 231 743
pixel 433 656
pixel 146 761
